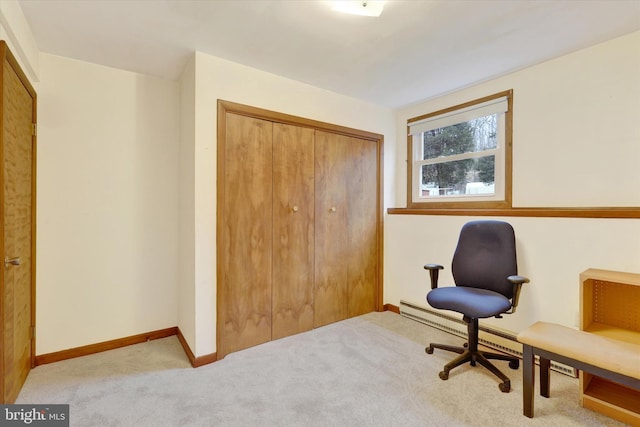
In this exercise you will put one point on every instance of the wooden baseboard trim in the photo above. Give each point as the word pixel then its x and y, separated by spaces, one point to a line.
pixel 86 350
pixel 391 307
pixel 196 362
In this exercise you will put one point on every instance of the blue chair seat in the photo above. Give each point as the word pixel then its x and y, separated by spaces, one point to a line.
pixel 472 302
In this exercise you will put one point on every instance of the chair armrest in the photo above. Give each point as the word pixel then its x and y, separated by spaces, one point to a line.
pixel 433 273
pixel 517 282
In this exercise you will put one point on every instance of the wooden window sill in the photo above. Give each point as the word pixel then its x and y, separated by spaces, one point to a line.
pixel 585 212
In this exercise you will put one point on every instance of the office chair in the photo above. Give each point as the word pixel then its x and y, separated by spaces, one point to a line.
pixel 485 272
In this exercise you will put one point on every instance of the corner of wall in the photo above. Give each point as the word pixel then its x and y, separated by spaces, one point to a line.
pixel 15 30
pixel 186 274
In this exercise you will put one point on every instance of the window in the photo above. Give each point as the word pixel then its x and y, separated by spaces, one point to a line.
pixel 461 156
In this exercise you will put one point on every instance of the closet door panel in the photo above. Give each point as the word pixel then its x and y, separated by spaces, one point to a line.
pixel 17 226
pixel 293 227
pixel 247 233
pixel 331 242
pixel 362 221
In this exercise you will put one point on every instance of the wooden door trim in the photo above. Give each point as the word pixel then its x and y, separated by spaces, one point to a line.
pixel 220 160
pixel 224 107
pixel 274 116
pixel 5 53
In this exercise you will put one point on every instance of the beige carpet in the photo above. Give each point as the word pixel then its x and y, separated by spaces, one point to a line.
pixel 367 371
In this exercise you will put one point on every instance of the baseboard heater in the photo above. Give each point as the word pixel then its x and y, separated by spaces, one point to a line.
pixel 494 338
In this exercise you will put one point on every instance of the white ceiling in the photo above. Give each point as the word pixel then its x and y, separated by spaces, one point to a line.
pixel 416 50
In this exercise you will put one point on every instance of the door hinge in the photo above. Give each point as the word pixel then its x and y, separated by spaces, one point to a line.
pixel 33 332
pixel 34 129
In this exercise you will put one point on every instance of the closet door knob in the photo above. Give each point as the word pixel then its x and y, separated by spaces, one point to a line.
pixel 11 261
pixel 333 209
pixel 295 209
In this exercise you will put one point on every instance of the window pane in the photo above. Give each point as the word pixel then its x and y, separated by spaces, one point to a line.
pixel 466 137
pixel 459 178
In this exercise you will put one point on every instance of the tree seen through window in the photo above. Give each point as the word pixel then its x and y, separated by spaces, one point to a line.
pixel 454 177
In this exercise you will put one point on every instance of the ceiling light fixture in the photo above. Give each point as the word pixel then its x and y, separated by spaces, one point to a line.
pixel 359 7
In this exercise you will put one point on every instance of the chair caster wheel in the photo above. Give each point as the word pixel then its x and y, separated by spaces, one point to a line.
pixel 444 375
pixel 429 350
pixel 505 387
pixel 514 364
pixel 465 345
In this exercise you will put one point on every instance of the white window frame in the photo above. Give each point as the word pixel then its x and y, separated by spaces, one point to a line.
pixel 500 104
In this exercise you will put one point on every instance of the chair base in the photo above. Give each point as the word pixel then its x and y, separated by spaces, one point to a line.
pixel 471 354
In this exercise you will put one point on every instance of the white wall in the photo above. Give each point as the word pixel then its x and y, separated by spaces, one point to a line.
pixel 576 142
pixel 220 79
pixel 186 278
pixel 552 252
pixel 107 221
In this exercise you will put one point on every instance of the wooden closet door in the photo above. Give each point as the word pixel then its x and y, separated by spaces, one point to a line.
pixel 346 227
pixel 247 239
pixel 299 225
pixel 362 219
pixel 293 228
pixel 332 232
pixel 17 206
